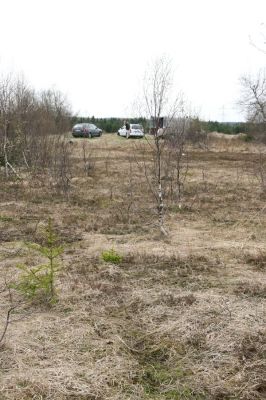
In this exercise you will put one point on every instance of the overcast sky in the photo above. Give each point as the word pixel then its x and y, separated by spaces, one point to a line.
pixel 96 51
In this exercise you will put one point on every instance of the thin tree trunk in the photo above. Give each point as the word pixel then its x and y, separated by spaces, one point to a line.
pixel 6 323
pixel 160 191
pixel 5 152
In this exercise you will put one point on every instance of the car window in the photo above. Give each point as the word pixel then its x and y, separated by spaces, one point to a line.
pixel 136 126
pixel 92 126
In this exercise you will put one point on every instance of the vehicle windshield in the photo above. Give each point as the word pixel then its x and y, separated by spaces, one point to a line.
pixel 92 126
pixel 136 126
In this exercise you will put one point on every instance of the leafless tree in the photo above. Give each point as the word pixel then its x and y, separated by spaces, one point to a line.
pixel 7 103
pixel 177 156
pixel 195 133
pixel 55 109
pixel 88 160
pixel 259 42
pixel 253 99
pixel 253 103
pixel 28 122
pixel 60 168
pixel 164 112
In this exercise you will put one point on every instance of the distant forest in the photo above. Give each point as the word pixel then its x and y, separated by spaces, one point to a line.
pixel 110 125
pixel 224 127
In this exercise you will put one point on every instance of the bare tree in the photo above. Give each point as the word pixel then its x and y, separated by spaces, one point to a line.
pixel 27 122
pixel 259 41
pixel 253 99
pixel 88 159
pixel 177 156
pixel 7 102
pixel 61 166
pixel 163 111
pixel 253 102
pixel 55 110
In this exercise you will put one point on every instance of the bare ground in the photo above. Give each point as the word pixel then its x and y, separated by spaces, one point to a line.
pixel 178 318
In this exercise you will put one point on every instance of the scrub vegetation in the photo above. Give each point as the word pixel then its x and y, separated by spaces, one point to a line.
pixel 131 269
pixel 139 315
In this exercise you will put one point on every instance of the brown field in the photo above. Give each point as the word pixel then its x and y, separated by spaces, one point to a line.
pixel 181 317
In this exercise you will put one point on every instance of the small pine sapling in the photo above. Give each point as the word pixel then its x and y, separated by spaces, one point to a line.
pixel 41 278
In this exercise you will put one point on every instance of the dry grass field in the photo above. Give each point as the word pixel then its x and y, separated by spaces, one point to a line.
pixel 177 318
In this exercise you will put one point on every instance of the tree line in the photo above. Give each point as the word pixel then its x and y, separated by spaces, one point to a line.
pixel 110 125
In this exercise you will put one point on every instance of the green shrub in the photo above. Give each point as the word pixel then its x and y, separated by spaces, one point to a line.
pixel 4 218
pixel 247 138
pixel 111 256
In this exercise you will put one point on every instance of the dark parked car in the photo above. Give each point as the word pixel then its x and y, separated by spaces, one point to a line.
pixel 86 130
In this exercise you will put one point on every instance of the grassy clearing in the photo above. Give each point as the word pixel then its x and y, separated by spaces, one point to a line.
pixel 177 318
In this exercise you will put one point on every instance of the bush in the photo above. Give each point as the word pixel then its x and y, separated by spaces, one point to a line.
pixel 111 256
pixel 248 138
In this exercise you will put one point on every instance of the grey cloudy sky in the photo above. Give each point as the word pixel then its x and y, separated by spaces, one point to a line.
pixel 96 51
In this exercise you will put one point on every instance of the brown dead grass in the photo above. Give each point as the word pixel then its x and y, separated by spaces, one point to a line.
pixel 178 318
